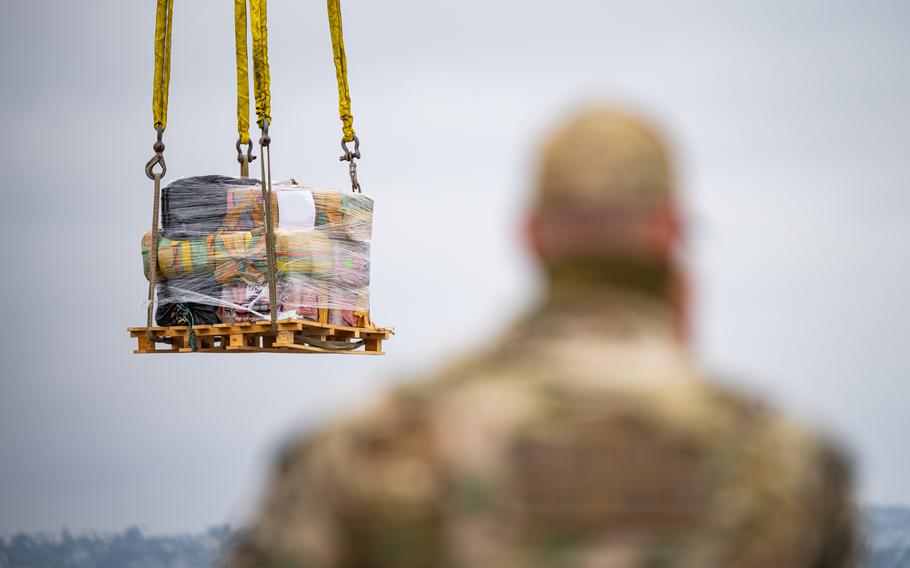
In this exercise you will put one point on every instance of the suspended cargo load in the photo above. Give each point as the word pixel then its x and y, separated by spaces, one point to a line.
pixel 238 264
pixel 212 266
pixel 212 253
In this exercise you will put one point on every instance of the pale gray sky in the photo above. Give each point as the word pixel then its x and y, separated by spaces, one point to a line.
pixel 791 123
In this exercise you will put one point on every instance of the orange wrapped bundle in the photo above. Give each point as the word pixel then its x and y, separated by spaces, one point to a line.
pixel 240 256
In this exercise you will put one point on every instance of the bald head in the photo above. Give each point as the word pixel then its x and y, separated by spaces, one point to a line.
pixel 604 190
pixel 607 159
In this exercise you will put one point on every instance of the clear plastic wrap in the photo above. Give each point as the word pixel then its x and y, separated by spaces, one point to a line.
pixel 212 262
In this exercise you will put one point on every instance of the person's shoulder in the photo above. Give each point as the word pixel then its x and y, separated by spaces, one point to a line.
pixel 374 464
pixel 786 481
pixel 391 419
pixel 770 430
pixel 761 450
pixel 767 421
pixel 401 423
pixel 393 422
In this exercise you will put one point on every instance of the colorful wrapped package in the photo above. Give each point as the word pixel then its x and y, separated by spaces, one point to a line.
pixel 344 215
pixel 244 302
pixel 299 299
pixel 180 258
pixel 228 257
pixel 352 307
pixel 250 302
pixel 328 208
pixel 212 261
pixel 240 256
pixel 351 263
pixel 244 209
pixel 357 216
pixel 303 253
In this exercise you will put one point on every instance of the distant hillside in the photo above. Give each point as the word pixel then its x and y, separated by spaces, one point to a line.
pixel 887 537
pixel 129 549
pixel 887 546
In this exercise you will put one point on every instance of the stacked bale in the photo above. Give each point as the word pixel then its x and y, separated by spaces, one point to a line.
pixel 212 253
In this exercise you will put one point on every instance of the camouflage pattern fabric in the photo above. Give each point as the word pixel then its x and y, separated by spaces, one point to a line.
pixel 585 439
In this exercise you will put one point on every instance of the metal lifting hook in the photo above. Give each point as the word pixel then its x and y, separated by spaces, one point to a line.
pixel 349 156
pixel 158 158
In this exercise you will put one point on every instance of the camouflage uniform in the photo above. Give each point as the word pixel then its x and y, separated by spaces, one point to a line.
pixel 585 438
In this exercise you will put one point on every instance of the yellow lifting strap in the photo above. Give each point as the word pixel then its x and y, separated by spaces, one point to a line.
pixel 261 78
pixel 243 72
pixel 341 70
pixel 162 62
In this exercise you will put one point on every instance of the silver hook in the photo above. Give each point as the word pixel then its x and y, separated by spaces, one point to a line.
pixel 158 158
pixel 349 157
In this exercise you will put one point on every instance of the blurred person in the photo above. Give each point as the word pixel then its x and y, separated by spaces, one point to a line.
pixel 586 437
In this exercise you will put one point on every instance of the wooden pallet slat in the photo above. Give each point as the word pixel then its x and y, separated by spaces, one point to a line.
pixel 258 337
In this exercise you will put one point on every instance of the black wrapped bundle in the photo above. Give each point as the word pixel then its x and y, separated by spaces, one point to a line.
pixel 178 293
pixel 195 206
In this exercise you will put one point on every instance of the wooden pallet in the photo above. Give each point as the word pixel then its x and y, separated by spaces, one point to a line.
pixel 258 337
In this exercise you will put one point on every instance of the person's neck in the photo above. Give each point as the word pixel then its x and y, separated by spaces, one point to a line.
pixel 608 307
pixel 600 298
pixel 619 289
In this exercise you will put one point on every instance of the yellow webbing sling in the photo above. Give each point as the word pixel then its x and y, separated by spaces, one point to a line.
pixel 261 78
pixel 243 72
pixel 341 70
pixel 344 93
pixel 162 78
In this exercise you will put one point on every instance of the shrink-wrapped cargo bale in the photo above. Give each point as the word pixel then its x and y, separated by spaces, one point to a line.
pixel 212 254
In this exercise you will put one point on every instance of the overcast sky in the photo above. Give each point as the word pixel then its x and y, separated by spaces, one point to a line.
pixel 791 125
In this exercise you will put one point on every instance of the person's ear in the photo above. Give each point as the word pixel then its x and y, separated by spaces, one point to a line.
pixel 680 301
pixel 532 235
pixel 666 230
